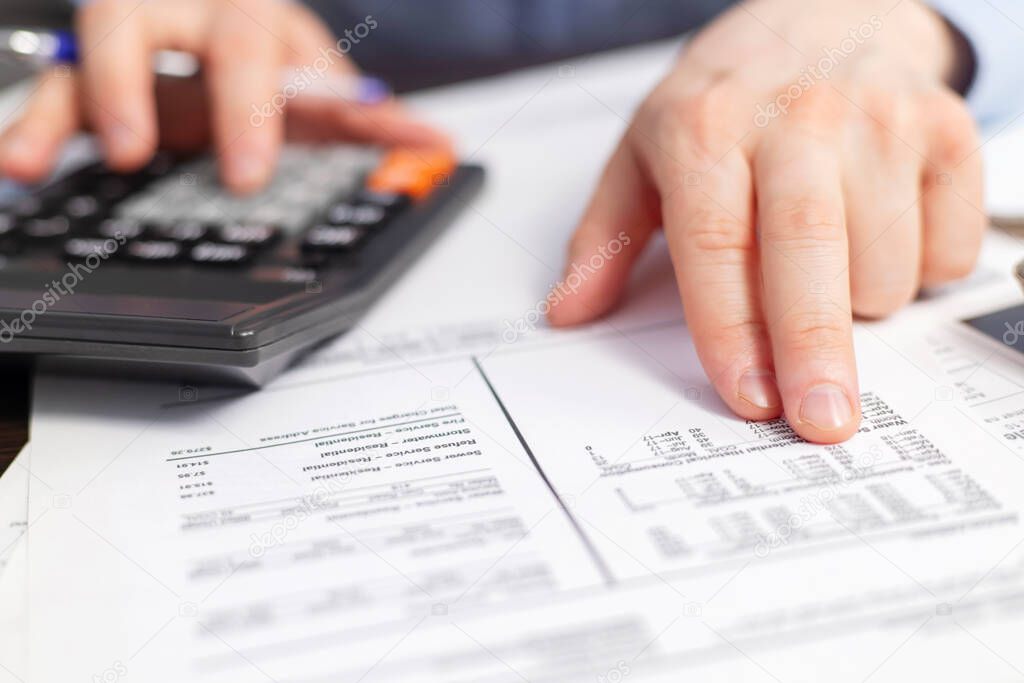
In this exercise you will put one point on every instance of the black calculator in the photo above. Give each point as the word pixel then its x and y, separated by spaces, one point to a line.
pixel 163 273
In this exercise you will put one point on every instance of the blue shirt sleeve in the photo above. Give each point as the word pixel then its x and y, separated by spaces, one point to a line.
pixel 994 29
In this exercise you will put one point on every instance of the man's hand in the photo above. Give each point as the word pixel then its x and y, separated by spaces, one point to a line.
pixel 243 47
pixel 809 162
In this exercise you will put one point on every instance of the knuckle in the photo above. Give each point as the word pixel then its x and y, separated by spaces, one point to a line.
pixel 735 333
pixel 739 334
pixel 819 106
pixel 698 123
pixel 715 233
pixel 803 219
pixel 892 118
pixel 672 120
pixel 887 106
pixel 816 333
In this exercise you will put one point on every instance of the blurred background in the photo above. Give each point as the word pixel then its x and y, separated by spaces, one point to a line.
pixel 464 38
pixel 33 13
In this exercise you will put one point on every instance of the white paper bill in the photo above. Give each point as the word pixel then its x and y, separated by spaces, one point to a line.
pixel 418 514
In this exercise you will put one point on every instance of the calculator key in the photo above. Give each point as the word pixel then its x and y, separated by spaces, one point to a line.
pixel 82 206
pixel 153 251
pixel 181 231
pixel 349 213
pixel 392 202
pixel 333 238
pixel 83 247
pixel 120 228
pixel 46 228
pixel 412 172
pixel 219 254
pixel 251 234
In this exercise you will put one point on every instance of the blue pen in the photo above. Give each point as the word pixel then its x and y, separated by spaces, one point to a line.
pixel 48 48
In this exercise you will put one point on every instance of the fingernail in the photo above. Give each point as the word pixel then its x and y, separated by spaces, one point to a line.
pixel 826 407
pixel 247 170
pixel 757 387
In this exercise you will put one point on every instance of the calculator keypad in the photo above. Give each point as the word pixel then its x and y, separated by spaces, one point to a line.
pixel 322 207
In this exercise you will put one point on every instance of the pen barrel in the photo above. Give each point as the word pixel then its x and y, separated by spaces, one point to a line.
pixel 38 47
pixel 66 48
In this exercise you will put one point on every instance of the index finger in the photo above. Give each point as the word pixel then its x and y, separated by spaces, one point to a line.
pixel 244 74
pixel 118 81
pixel 804 256
pixel 710 233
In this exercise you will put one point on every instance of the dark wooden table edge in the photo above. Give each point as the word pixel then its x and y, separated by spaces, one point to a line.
pixel 14 408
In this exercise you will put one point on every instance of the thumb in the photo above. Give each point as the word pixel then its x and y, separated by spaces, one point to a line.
pixel 616 226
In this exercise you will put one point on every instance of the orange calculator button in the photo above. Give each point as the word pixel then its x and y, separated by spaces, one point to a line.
pixel 412 172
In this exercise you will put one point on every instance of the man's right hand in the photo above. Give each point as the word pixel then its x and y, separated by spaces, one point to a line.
pixel 243 48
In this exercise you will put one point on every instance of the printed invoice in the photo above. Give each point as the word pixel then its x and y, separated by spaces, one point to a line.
pixel 564 507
